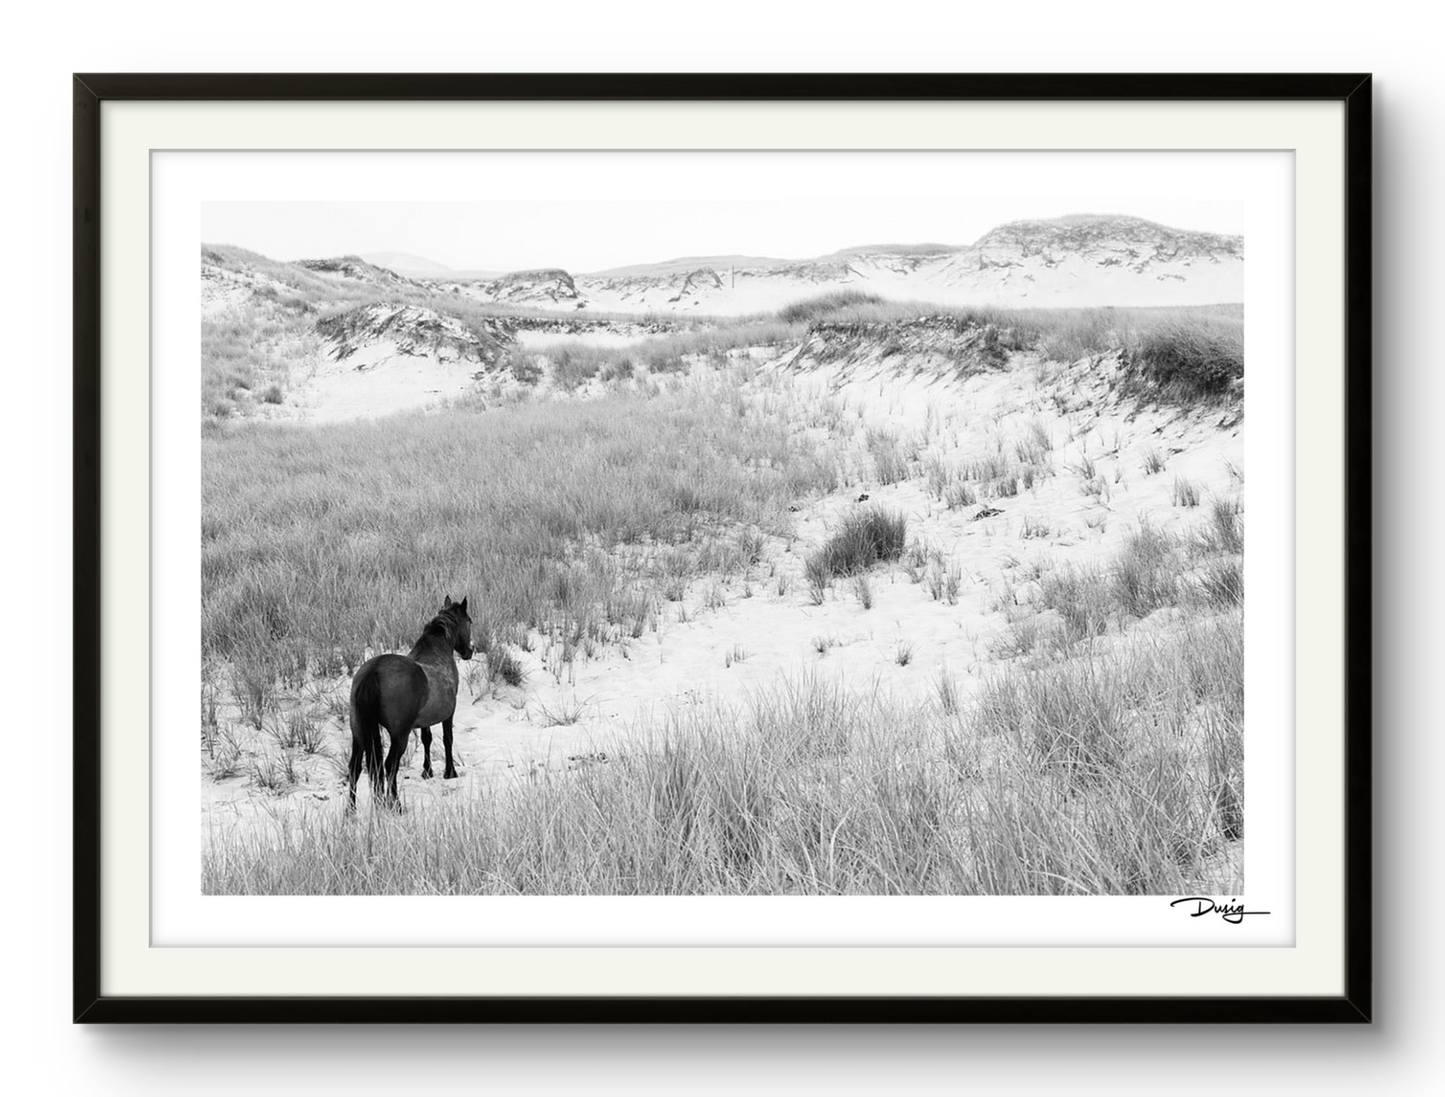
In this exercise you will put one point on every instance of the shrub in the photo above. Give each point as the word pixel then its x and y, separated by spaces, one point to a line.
pixel 1189 359
pixel 523 366
pixel 501 663
pixel 813 308
pixel 867 537
pixel 573 365
pixel 618 370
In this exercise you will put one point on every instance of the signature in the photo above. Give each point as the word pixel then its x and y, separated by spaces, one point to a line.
pixel 1232 911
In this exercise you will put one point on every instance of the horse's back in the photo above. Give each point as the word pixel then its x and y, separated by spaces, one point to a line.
pixel 401 689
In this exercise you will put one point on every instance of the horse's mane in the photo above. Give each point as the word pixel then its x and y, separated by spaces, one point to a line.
pixel 445 622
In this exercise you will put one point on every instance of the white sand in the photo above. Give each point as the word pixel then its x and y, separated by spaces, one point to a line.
pixel 378 380
pixel 686 663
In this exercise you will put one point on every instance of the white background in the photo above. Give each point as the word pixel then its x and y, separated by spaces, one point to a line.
pixel 773 184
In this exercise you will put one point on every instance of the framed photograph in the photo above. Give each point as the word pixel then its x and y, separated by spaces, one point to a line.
pixel 720 548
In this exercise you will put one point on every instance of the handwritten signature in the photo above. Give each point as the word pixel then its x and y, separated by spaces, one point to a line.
pixel 1232 912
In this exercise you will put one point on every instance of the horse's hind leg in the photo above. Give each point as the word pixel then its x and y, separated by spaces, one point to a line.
pixel 426 754
pixel 393 764
pixel 451 771
pixel 358 755
pixel 374 767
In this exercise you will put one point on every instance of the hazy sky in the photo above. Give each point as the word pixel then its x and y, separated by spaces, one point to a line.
pixel 587 236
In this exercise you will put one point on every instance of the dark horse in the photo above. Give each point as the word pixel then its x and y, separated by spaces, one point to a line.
pixel 401 692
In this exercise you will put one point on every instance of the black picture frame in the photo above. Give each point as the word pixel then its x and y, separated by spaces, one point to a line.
pixel 91 90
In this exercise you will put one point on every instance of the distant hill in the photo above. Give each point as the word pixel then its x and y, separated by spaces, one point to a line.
pixel 896 249
pixel 533 287
pixel 690 263
pixel 1082 260
pixel 342 336
pixel 356 269
pixel 1127 237
pixel 406 263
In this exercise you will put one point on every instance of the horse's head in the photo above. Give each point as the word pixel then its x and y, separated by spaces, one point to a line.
pixel 463 641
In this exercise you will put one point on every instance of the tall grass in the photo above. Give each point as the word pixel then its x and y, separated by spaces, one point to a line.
pixel 865 537
pixel 1069 333
pixel 1118 773
pixel 1179 355
pixel 321 543
pixel 251 349
pixel 827 306
pixel 1151 570
pixel 890 455
pixel 1184 359
pixel 1185 493
pixel 1145 572
pixel 1225 532
pixel 573 364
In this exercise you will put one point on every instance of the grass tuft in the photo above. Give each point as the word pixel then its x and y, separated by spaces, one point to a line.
pixel 866 537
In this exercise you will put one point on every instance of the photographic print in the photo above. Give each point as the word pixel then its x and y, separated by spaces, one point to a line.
pixel 710 548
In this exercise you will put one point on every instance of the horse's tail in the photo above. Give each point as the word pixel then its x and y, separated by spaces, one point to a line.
pixel 366 721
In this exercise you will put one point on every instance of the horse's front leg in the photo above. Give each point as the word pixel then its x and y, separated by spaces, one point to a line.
pixel 426 754
pixel 451 771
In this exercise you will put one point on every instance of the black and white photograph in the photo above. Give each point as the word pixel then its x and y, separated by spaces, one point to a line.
pixel 710 548
pixel 689 558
